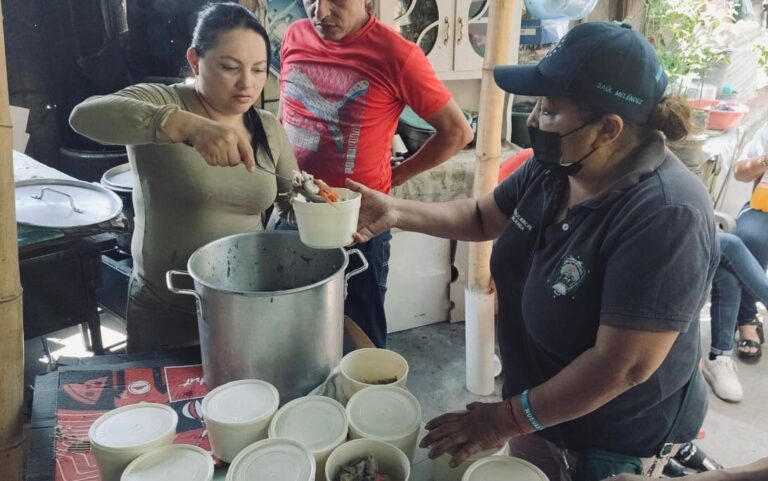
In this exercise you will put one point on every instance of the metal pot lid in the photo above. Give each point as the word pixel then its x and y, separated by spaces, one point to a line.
pixel 63 204
pixel 118 178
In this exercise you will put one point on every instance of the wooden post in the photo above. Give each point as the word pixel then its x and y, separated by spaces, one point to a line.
pixel 501 23
pixel 504 19
pixel 11 337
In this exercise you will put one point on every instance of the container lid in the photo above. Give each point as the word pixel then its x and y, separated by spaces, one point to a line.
pixel 274 460
pixel 317 422
pixel 63 203
pixel 384 412
pixel 133 426
pixel 242 401
pixel 494 468
pixel 177 462
pixel 119 178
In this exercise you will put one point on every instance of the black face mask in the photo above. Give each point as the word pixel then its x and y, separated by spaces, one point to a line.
pixel 547 148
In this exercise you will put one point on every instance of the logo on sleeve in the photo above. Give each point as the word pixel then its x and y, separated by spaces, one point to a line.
pixel 569 275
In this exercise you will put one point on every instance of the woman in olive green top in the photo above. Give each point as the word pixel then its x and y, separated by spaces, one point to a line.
pixel 177 138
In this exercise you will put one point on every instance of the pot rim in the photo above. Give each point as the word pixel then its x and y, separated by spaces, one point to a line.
pixel 285 292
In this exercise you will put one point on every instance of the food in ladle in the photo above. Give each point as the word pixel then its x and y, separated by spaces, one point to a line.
pixel 312 189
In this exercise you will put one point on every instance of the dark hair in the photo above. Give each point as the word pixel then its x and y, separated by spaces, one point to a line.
pixel 671 116
pixel 217 18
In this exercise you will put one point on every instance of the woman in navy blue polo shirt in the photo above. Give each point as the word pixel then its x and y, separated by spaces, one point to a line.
pixel 605 247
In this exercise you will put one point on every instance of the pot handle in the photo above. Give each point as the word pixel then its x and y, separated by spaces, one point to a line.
pixel 169 282
pixel 360 269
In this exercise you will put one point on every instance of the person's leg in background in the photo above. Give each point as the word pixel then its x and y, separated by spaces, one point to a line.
pixel 719 369
pixel 365 291
pixel 752 277
pixel 752 229
pixel 364 303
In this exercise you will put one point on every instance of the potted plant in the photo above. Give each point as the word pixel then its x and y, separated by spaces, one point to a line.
pixel 690 37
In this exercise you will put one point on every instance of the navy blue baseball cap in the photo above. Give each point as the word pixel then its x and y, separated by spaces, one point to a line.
pixel 610 67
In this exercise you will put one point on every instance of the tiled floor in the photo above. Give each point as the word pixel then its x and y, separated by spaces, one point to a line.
pixel 735 433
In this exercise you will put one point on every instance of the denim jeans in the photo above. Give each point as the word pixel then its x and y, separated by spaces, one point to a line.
pixel 740 279
pixel 365 291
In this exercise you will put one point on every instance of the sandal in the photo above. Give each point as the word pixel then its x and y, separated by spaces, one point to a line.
pixel 745 344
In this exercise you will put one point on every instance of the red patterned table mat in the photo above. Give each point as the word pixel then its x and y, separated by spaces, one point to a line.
pixel 83 396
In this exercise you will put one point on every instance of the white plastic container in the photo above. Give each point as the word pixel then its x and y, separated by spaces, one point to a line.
pixel 318 422
pixel 442 470
pixel 386 413
pixel 369 367
pixel 273 460
pixel 237 414
pixel 392 461
pixel 177 462
pixel 494 468
pixel 122 435
pixel 328 225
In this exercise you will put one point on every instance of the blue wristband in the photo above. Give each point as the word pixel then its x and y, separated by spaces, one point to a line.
pixel 526 405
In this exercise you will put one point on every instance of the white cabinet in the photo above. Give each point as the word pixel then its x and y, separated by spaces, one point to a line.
pixel 417 287
pixel 452 33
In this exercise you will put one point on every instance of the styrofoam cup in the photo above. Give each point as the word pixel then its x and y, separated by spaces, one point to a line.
pixel 318 422
pixel 370 366
pixel 494 468
pixel 237 414
pixel 328 225
pixel 392 461
pixel 386 413
pixel 442 470
pixel 177 462
pixel 123 434
pixel 274 460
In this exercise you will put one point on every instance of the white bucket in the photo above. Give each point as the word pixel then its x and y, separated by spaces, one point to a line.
pixel 370 367
pixel 328 225
pixel 122 435
pixel 392 461
pixel 177 462
pixel 237 414
pixel 494 468
pixel 318 422
pixel 442 470
pixel 386 413
pixel 273 460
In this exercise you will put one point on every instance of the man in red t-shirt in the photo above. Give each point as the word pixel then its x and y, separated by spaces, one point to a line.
pixel 345 79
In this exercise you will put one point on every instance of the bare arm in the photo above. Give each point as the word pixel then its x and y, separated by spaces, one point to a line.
pixel 621 359
pixel 452 134
pixel 466 219
pixel 749 170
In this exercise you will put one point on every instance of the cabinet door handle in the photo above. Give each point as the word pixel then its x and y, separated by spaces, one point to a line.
pixel 460 32
pixel 447 33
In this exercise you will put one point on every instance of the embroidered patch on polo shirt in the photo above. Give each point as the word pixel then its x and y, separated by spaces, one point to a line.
pixel 569 275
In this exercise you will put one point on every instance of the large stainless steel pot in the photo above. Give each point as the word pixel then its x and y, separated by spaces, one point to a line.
pixel 269 307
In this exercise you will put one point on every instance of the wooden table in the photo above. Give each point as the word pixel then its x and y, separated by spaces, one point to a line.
pixel 60 271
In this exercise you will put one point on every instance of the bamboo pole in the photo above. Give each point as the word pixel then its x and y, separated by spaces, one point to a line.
pixel 488 149
pixel 11 337
pixel 504 18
